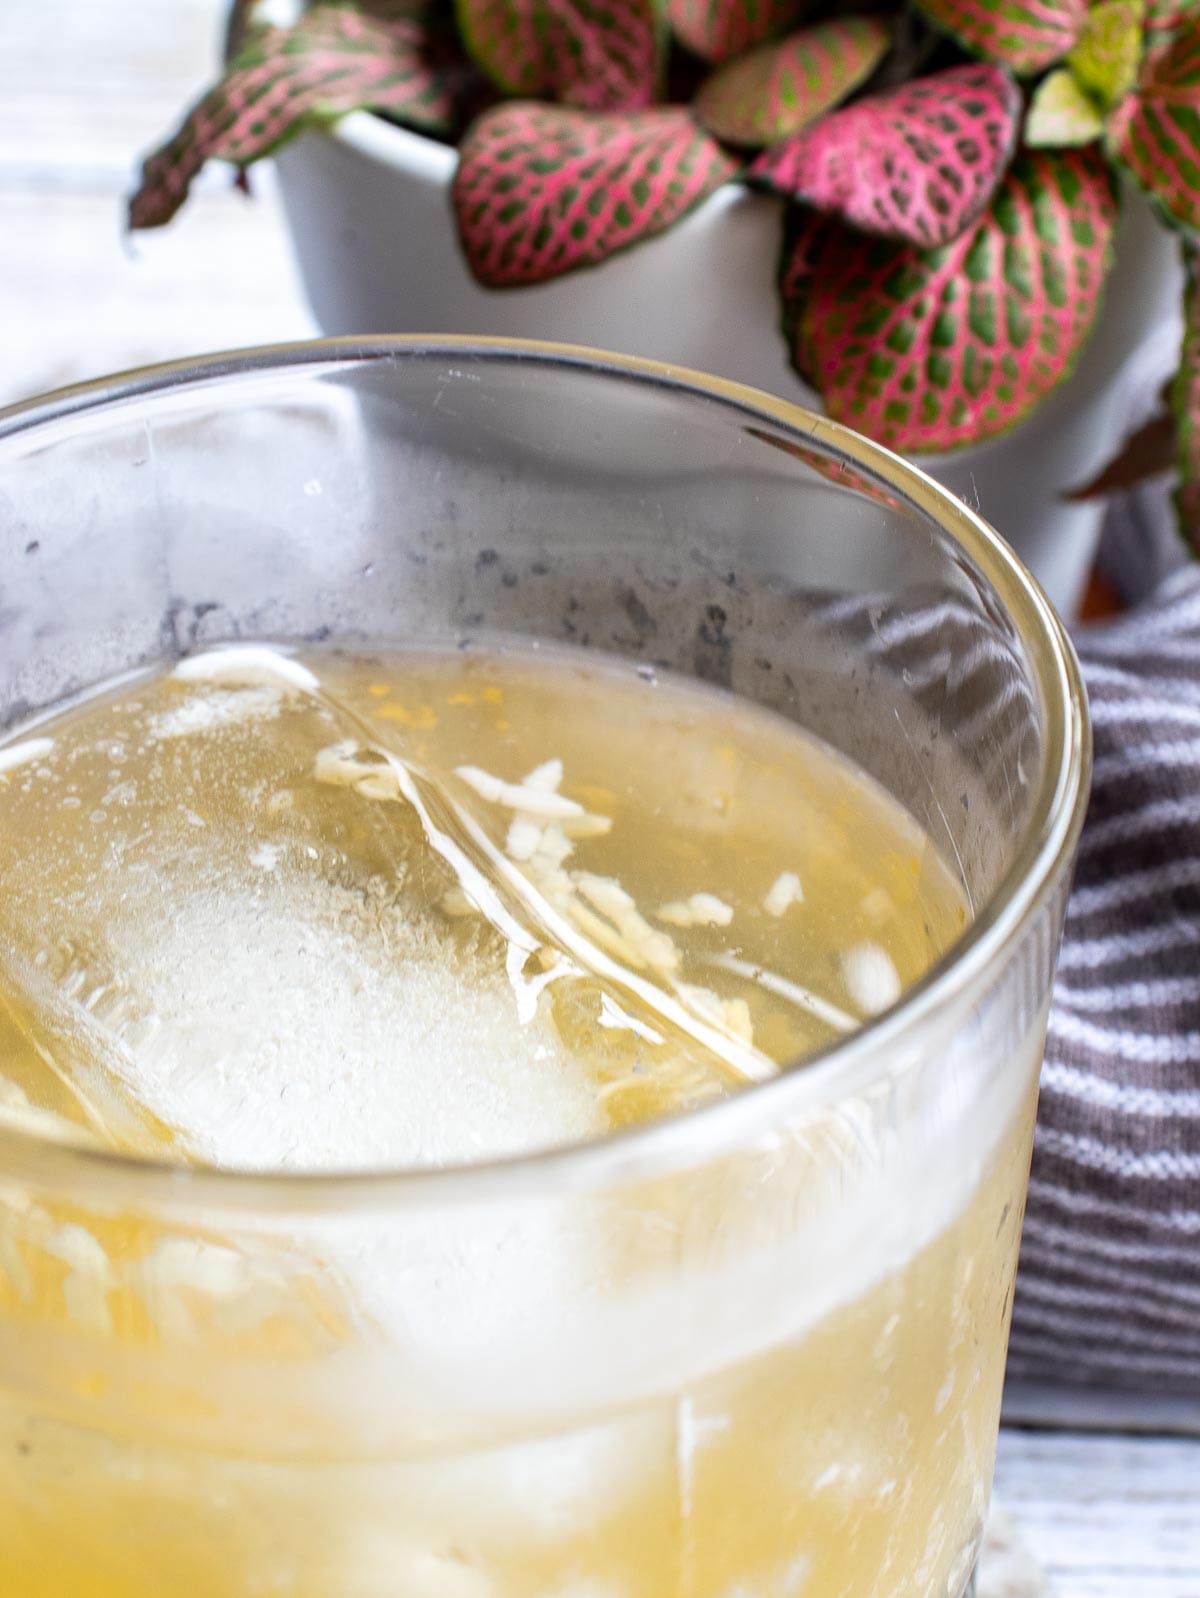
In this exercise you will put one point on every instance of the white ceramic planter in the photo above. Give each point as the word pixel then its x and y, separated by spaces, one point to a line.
pixel 369 209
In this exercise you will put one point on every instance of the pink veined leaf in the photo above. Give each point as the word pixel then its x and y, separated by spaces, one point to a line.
pixel 1025 35
pixel 336 59
pixel 240 21
pixel 918 163
pixel 1185 402
pixel 1170 13
pixel 779 88
pixel 599 55
pixel 930 350
pixel 719 29
pixel 804 234
pixel 247 17
pixel 542 190
pixel 392 10
pixel 1155 130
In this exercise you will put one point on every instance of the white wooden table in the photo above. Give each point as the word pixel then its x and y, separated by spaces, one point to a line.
pixel 1105 1515
pixel 84 87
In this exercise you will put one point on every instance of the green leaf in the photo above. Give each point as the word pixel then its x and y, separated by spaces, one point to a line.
pixel 1105 60
pixel 779 88
pixel 1026 35
pixel 1061 114
pixel 542 190
pixel 1155 131
pixel 1185 402
pixel 930 350
pixel 336 59
pixel 600 55
pixel 715 30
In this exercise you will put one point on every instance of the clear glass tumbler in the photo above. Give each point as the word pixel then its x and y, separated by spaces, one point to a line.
pixel 751 1352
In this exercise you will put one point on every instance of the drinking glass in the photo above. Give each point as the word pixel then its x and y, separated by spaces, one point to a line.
pixel 753 1351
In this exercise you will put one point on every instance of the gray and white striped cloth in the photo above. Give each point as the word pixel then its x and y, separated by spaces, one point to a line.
pixel 1109 1284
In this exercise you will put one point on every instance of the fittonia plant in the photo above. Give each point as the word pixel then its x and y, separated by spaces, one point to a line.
pixel 951 169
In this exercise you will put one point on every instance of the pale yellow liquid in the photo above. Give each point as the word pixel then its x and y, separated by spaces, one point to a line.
pixel 848 1457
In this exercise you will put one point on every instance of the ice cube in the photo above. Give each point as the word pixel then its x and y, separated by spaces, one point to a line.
pixel 306 1023
pixel 277 982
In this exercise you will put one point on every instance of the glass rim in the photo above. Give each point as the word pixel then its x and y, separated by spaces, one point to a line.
pixel 657 1147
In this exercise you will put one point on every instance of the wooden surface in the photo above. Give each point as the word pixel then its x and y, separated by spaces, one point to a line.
pixel 84 87
pixel 1105 1516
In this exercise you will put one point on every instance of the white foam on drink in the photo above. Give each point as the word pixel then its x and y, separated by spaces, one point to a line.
pixel 287 1021
pixel 202 713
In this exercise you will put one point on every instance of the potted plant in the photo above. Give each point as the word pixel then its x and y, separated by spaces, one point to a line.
pixel 911 211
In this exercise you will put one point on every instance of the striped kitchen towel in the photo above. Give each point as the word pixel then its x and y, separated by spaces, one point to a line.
pixel 1109 1285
